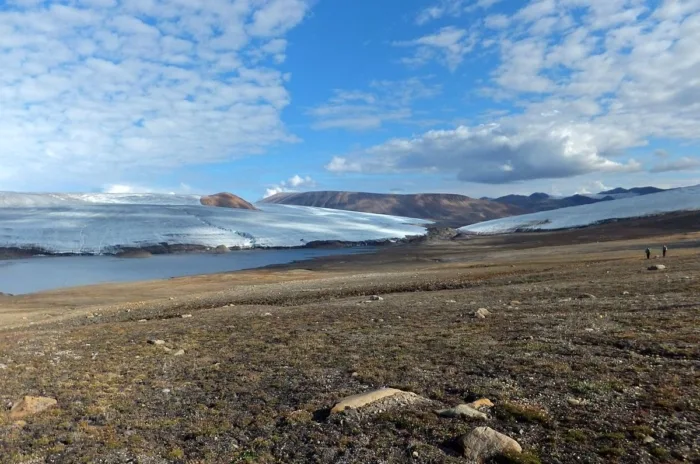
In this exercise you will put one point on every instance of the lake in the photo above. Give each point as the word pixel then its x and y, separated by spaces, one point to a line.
pixel 46 273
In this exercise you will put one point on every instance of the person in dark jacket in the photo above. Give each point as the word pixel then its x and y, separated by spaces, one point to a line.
pixel 665 250
pixel 648 252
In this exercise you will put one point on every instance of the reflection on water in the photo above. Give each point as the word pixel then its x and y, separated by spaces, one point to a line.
pixel 45 273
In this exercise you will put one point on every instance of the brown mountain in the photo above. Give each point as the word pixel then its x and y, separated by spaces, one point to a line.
pixel 226 200
pixel 446 209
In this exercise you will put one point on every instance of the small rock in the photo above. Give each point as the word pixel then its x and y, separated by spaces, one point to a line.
pixel 267 314
pixel 648 440
pixel 481 403
pixel 166 390
pixel 186 316
pixel 481 313
pixel 462 410
pixel 656 267
pixel 586 296
pixel 484 443
pixel 153 341
pixel 30 405
pixel 143 320
pixel 354 374
pixel 515 303
pixel 172 298
pixel 3 366
pixel 376 298
pixel 450 301
pixel 625 293
pixel 20 424
pixel 415 454
pixel 179 353
pixel 574 401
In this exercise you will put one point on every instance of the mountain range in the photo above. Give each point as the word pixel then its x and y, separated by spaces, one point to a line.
pixel 449 210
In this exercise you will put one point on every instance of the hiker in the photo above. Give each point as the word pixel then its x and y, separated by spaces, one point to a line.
pixel 665 250
pixel 648 252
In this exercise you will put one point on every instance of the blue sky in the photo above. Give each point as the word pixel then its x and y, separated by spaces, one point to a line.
pixel 480 97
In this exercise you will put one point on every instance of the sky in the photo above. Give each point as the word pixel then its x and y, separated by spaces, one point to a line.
pixel 479 97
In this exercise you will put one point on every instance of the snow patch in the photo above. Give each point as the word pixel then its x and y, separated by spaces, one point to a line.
pixel 683 199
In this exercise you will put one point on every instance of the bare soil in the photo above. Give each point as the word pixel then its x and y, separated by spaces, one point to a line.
pixel 267 353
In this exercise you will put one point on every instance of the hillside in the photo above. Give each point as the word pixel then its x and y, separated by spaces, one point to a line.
pixel 543 202
pixel 226 200
pixel 446 209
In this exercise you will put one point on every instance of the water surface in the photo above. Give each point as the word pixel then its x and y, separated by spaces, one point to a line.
pixel 46 273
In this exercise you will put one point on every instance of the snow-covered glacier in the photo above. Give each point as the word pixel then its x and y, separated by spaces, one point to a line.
pixel 101 223
pixel 682 199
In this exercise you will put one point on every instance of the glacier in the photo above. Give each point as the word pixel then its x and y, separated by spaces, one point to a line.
pixel 87 223
pixel 682 199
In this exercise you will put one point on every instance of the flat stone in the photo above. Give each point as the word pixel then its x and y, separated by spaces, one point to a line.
pixel 179 353
pixel 481 403
pixel 376 298
pixel 31 405
pixel 153 341
pixel 462 410
pixel 384 398
pixel 656 267
pixel 186 316
pixel 481 313
pixel 515 303
pixel 648 440
pixel 484 443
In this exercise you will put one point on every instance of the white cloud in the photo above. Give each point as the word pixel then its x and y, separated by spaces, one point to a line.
pixel 449 45
pixel 452 8
pixel 131 188
pixel 99 88
pixel 290 185
pixel 587 80
pixel 592 188
pixel 681 164
pixel 384 101
pixel 495 153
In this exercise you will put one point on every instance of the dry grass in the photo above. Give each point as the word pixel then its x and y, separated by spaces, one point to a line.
pixel 257 378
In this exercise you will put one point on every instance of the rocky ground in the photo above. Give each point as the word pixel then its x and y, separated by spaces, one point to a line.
pixel 582 355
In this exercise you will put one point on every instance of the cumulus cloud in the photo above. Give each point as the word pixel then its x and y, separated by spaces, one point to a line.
pixel 592 188
pixel 101 87
pixel 449 45
pixel 589 80
pixel 681 164
pixel 292 184
pixel 492 154
pixel 384 101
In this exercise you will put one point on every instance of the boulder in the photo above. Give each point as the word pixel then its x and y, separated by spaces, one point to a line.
pixel 31 405
pixel 484 443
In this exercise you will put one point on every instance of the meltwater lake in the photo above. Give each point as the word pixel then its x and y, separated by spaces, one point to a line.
pixel 20 276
